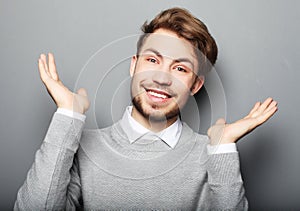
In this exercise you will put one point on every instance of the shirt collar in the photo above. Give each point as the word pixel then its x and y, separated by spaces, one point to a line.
pixel 134 130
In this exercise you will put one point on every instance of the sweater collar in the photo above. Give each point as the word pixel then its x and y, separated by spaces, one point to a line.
pixel 135 131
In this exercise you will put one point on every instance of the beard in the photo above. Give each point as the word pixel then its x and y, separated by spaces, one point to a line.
pixel 158 116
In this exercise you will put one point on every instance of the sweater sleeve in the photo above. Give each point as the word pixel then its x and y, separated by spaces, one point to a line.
pixel 225 182
pixel 47 185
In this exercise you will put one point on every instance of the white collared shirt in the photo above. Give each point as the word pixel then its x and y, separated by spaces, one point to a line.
pixel 134 131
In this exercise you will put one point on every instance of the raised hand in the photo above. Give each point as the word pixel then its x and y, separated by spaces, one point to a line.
pixel 61 95
pixel 222 133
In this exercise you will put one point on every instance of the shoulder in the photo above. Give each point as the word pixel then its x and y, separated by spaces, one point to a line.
pixel 200 138
pixel 94 138
pixel 88 134
pixel 198 151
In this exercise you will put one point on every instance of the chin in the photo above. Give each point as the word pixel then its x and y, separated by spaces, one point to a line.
pixel 155 113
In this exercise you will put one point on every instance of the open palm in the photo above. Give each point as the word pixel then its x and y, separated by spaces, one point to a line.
pixel 62 96
pixel 222 133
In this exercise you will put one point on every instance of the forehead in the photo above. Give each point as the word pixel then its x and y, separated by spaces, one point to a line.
pixel 168 44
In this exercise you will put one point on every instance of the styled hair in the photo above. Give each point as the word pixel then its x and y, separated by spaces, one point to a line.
pixel 185 25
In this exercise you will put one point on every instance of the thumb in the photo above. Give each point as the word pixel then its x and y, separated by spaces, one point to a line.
pixel 209 131
pixel 220 121
pixel 82 92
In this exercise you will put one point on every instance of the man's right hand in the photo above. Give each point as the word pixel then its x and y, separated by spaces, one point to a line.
pixel 62 96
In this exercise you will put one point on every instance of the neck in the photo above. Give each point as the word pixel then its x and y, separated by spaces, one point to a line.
pixel 152 125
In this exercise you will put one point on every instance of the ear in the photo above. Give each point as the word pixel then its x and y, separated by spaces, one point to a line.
pixel 132 65
pixel 198 83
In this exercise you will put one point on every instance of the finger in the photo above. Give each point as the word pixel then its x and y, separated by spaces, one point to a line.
pixel 44 59
pixel 267 115
pixel 43 73
pixel 82 92
pixel 255 107
pixel 209 131
pixel 220 121
pixel 265 104
pixel 271 106
pixel 52 66
pixel 44 64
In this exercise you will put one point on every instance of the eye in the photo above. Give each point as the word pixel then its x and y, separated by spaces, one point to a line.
pixel 151 59
pixel 180 69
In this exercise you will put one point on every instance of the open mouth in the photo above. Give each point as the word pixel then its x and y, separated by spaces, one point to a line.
pixel 158 95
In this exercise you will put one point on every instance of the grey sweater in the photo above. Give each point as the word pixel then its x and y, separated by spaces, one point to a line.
pixel 101 170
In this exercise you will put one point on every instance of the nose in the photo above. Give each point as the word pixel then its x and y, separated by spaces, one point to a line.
pixel 162 77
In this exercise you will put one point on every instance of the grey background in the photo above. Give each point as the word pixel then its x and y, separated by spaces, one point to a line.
pixel 259 57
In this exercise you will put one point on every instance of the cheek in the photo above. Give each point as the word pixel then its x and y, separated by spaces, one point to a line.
pixel 135 90
pixel 143 72
pixel 136 82
pixel 142 66
pixel 183 92
pixel 183 85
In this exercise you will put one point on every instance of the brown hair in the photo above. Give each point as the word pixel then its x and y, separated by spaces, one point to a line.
pixel 185 25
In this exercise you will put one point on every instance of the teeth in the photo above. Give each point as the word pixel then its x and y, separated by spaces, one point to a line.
pixel 157 95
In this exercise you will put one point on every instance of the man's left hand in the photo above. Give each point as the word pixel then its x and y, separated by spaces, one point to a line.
pixel 223 133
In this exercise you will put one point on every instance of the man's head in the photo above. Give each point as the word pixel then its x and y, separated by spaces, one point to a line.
pixel 172 55
pixel 185 25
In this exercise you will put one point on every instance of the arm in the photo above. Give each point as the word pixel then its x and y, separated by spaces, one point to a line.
pixel 46 185
pixel 74 195
pixel 226 190
pixel 49 181
pixel 224 177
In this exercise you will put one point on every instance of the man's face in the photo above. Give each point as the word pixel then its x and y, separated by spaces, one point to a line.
pixel 164 75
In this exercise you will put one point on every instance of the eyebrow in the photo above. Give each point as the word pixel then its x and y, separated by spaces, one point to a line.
pixel 175 60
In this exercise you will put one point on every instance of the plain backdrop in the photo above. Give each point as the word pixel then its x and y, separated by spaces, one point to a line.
pixel 258 57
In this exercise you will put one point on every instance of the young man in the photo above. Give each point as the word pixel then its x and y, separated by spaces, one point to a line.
pixel 149 159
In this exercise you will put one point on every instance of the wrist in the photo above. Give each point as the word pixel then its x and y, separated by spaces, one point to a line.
pixel 72 108
pixel 227 141
pixel 222 140
pixel 71 114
